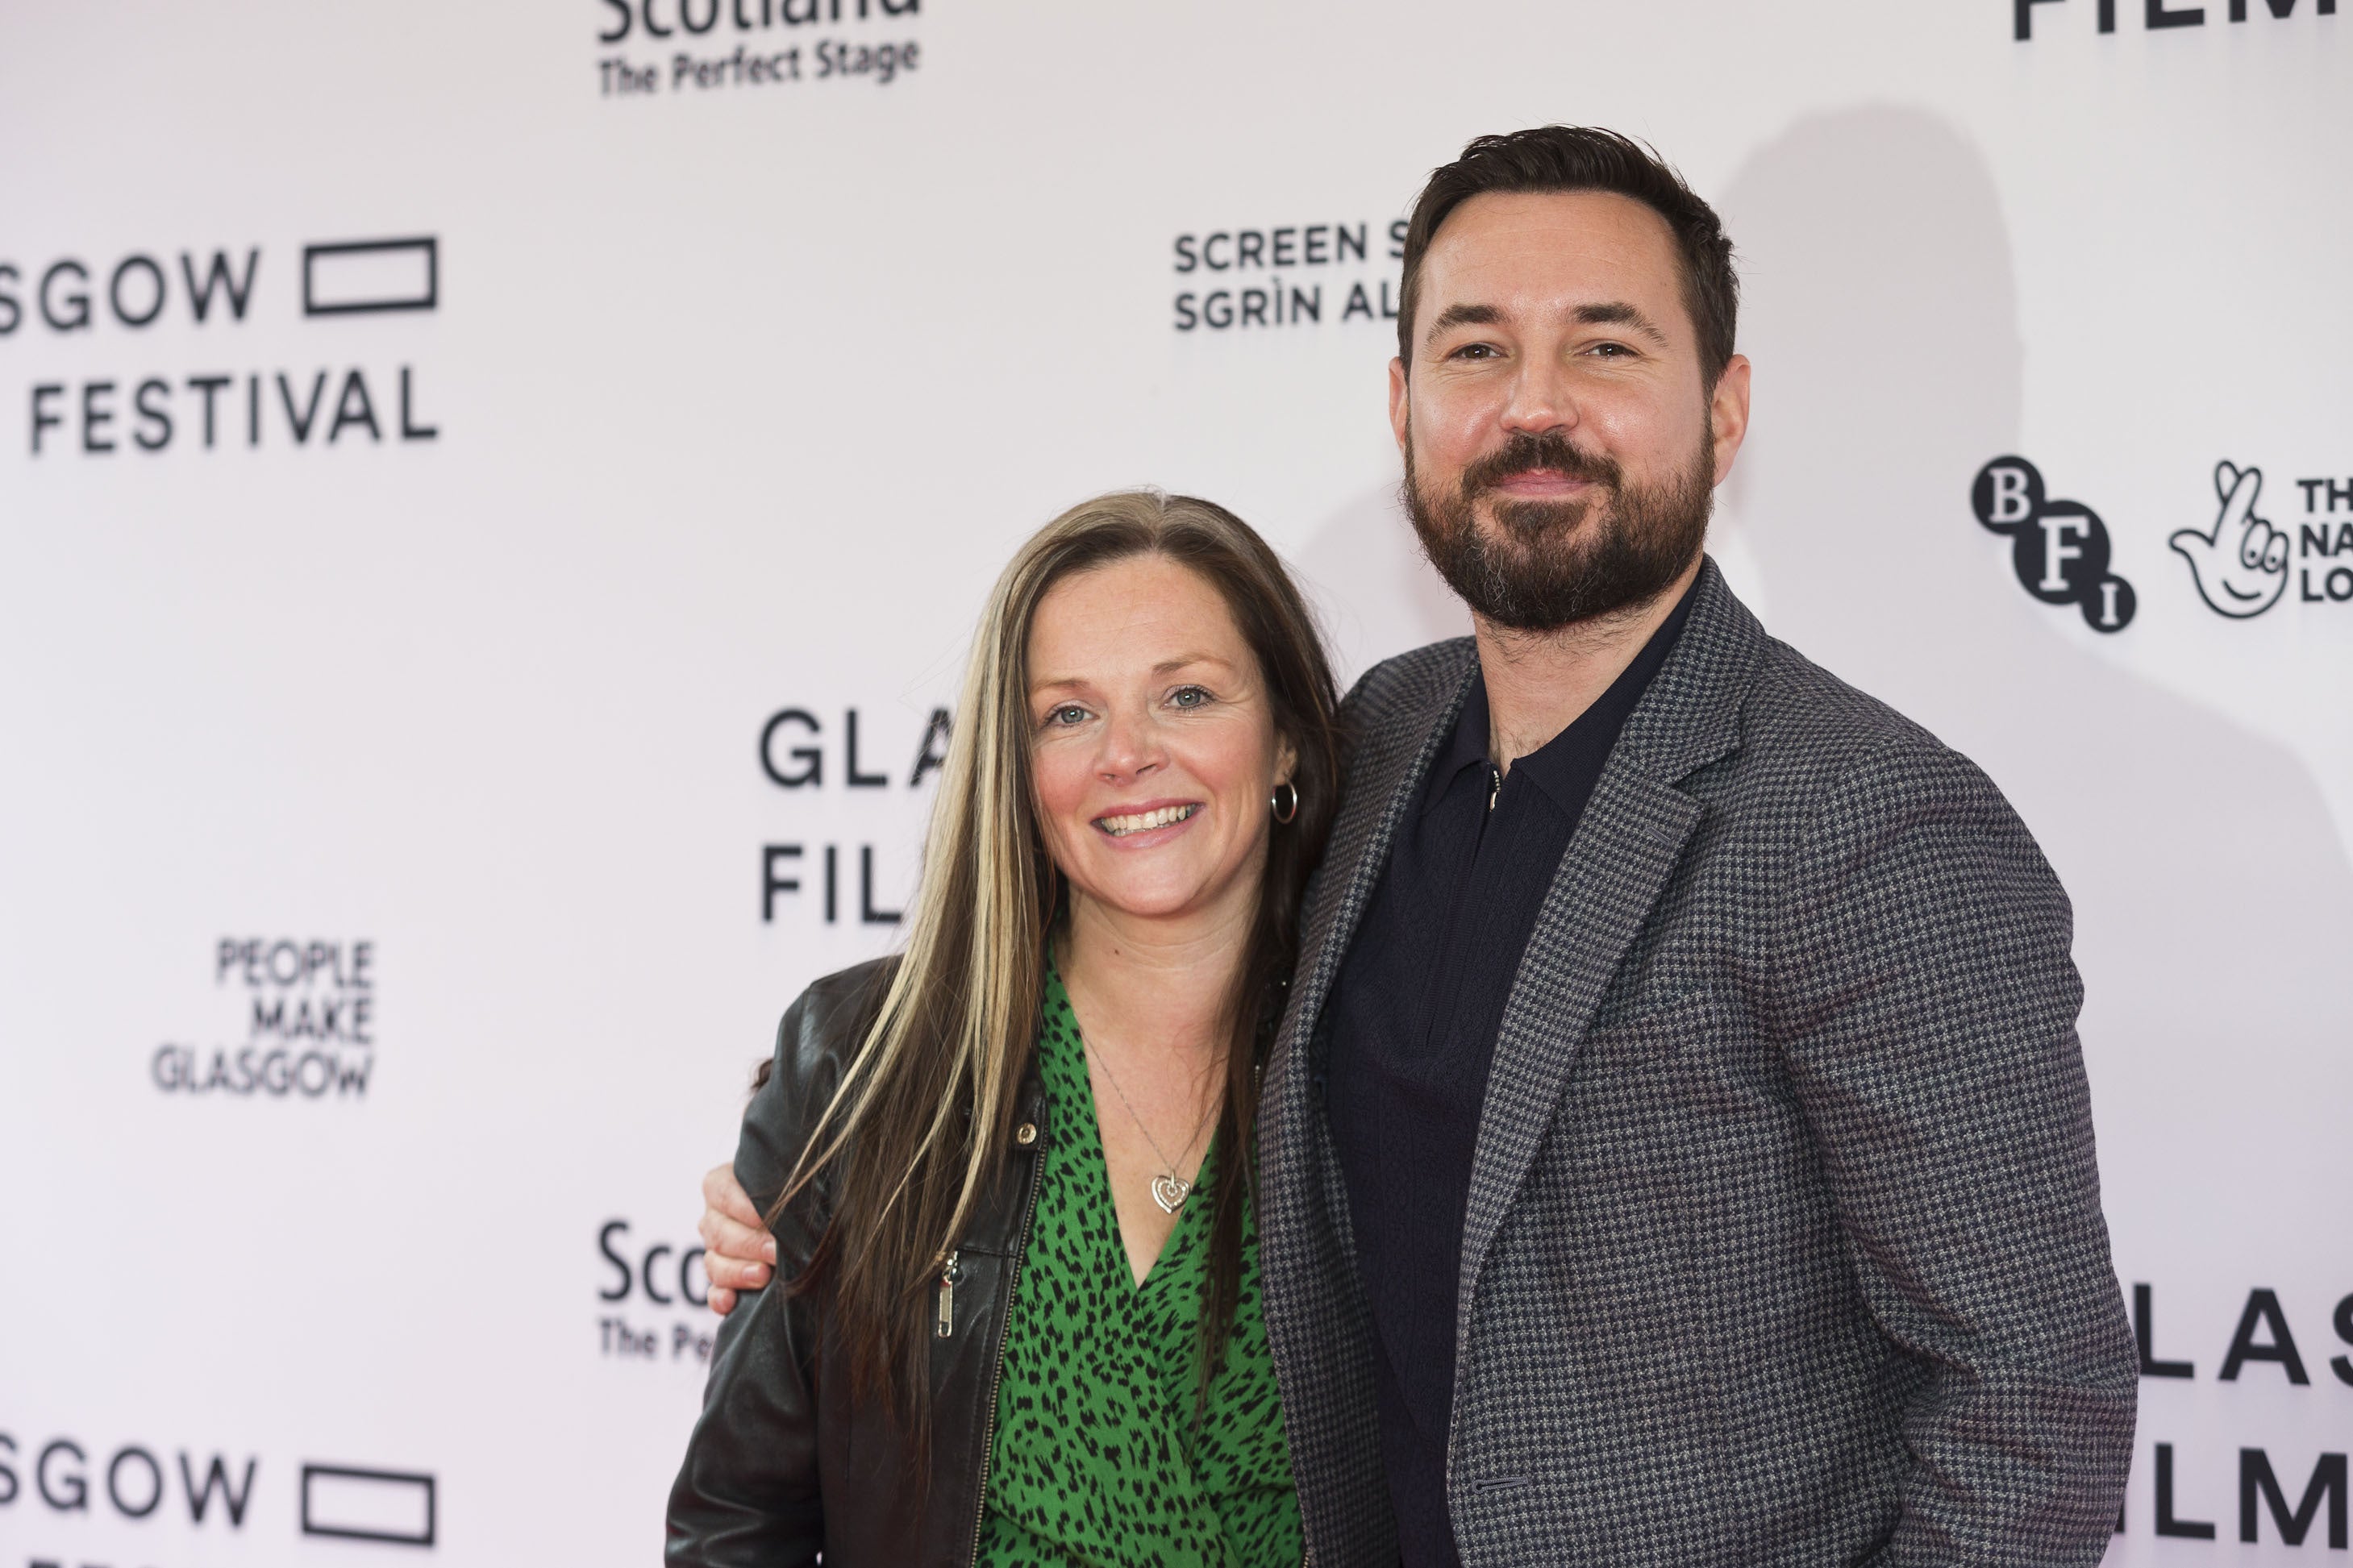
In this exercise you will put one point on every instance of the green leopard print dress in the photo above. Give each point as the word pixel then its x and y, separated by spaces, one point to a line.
pixel 1097 1458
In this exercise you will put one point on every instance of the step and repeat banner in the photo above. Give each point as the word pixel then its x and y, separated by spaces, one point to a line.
pixel 491 500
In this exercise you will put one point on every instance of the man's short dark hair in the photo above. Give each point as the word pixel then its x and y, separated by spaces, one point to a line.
pixel 1560 158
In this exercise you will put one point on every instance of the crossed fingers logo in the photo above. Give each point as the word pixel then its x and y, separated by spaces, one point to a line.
pixel 2240 563
pixel 2058 548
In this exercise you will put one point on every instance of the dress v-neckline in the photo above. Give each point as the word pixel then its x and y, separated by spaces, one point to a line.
pixel 1109 1448
pixel 1097 1164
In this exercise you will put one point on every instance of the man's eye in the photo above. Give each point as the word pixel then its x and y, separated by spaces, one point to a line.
pixel 1474 351
pixel 1611 351
pixel 1188 697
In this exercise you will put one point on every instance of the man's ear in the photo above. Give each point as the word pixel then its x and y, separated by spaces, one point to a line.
pixel 1397 401
pixel 1728 414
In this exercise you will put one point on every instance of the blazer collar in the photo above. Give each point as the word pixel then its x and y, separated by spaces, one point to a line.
pixel 1691 715
pixel 1391 759
pixel 1625 852
pixel 1688 719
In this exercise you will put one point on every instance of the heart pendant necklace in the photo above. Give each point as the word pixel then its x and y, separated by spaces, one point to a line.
pixel 1169 1190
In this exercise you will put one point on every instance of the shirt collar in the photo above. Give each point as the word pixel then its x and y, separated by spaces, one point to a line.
pixel 1560 765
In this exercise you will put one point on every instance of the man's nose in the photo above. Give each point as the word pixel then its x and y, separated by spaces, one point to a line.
pixel 1542 399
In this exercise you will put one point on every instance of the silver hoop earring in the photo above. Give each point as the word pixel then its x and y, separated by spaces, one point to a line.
pixel 1285 802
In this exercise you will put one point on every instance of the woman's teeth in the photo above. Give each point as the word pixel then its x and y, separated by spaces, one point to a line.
pixel 1121 827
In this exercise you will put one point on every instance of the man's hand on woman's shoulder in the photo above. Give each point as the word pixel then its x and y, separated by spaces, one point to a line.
pixel 738 1252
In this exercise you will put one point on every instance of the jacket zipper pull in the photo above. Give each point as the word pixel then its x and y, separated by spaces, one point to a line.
pixel 943 1325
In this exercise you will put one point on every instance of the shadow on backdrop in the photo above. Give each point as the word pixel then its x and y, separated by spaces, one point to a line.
pixel 2215 904
pixel 1378 594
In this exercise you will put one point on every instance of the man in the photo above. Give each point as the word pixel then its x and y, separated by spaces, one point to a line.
pixel 1677 1149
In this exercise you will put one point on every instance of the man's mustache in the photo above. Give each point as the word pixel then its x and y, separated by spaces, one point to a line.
pixel 1526 453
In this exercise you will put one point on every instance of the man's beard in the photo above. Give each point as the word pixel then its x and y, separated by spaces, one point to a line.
pixel 1541 575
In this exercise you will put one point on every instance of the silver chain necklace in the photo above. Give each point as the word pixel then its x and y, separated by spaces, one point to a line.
pixel 1169 1190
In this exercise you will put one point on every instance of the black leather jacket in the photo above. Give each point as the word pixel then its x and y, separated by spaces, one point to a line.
pixel 784 1465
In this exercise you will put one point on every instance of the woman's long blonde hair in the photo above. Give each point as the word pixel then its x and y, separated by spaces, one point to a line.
pixel 921 1128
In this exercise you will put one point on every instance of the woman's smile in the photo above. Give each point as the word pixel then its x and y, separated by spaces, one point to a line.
pixel 1154 823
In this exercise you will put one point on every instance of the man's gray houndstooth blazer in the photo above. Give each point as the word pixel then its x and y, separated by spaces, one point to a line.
pixel 1784 1241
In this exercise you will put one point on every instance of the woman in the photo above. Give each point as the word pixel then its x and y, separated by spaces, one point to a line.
pixel 1008 1172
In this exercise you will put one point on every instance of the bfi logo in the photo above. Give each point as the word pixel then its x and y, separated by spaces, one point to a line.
pixel 2058 548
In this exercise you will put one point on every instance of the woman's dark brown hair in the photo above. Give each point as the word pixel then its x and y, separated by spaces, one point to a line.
pixel 922 1126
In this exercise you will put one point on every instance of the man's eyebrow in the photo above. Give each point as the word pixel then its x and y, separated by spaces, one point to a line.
pixel 1609 313
pixel 1618 313
pixel 1464 316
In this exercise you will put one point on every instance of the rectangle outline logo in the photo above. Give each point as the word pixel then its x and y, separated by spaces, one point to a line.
pixel 348 1472
pixel 430 243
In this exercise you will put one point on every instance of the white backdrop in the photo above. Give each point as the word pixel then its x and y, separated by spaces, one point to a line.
pixel 394 877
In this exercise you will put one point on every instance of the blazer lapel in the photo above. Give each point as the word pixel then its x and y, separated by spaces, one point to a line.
pixel 1316 1317
pixel 1626 849
pixel 1383 778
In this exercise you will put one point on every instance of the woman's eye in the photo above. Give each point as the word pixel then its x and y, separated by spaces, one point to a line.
pixel 1067 716
pixel 1188 697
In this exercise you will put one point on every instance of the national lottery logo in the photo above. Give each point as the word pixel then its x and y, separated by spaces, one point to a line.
pixel 2241 564
pixel 2059 549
